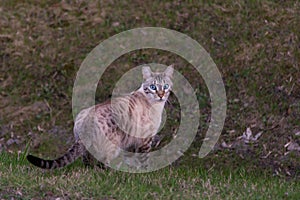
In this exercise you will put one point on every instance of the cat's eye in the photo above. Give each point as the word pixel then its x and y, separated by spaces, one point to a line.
pixel 166 86
pixel 152 87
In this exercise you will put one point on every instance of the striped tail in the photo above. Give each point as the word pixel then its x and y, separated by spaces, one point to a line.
pixel 73 153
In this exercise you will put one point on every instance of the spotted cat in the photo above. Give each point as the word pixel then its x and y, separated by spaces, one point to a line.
pixel 127 123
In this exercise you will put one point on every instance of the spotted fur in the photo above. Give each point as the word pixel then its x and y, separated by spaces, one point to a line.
pixel 126 123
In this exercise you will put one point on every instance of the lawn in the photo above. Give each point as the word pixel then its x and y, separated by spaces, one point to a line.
pixel 255 45
pixel 19 180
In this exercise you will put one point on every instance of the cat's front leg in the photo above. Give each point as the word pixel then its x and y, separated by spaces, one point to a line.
pixel 156 139
pixel 137 154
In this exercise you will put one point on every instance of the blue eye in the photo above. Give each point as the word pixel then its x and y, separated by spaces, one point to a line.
pixel 152 87
pixel 166 86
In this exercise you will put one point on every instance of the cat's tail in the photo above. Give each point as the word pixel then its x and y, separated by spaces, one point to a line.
pixel 73 153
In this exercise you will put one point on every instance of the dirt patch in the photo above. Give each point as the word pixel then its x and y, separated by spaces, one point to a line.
pixel 254 44
pixel 19 114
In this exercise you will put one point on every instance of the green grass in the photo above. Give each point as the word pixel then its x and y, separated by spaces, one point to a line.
pixel 20 180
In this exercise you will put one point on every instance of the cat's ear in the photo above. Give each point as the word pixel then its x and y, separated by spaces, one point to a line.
pixel 146 71
pixel 169 71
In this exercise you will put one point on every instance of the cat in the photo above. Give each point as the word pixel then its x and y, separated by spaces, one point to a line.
pixel 127 123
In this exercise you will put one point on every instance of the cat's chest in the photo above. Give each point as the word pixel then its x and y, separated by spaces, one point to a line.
pixel 152 120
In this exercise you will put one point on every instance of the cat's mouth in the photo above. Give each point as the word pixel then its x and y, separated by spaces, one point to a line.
pixel 161 99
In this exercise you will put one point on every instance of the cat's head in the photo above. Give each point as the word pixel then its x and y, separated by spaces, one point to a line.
pixel 157 85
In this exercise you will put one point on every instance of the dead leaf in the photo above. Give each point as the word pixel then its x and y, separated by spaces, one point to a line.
pixel 66 6
pixel 293 146
pixel 115 24
pixel 248 137
pixel 225 145
pixel 97 20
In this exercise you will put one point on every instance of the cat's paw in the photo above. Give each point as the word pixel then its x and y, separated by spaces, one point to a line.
pixel 155 141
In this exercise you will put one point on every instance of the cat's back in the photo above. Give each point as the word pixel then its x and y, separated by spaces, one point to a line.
pixel 87 116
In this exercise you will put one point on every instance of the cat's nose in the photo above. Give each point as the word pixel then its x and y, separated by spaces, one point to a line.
pixel 161 93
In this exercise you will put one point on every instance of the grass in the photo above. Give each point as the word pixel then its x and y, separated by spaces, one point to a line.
pixel 255 45
pixel 20 180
